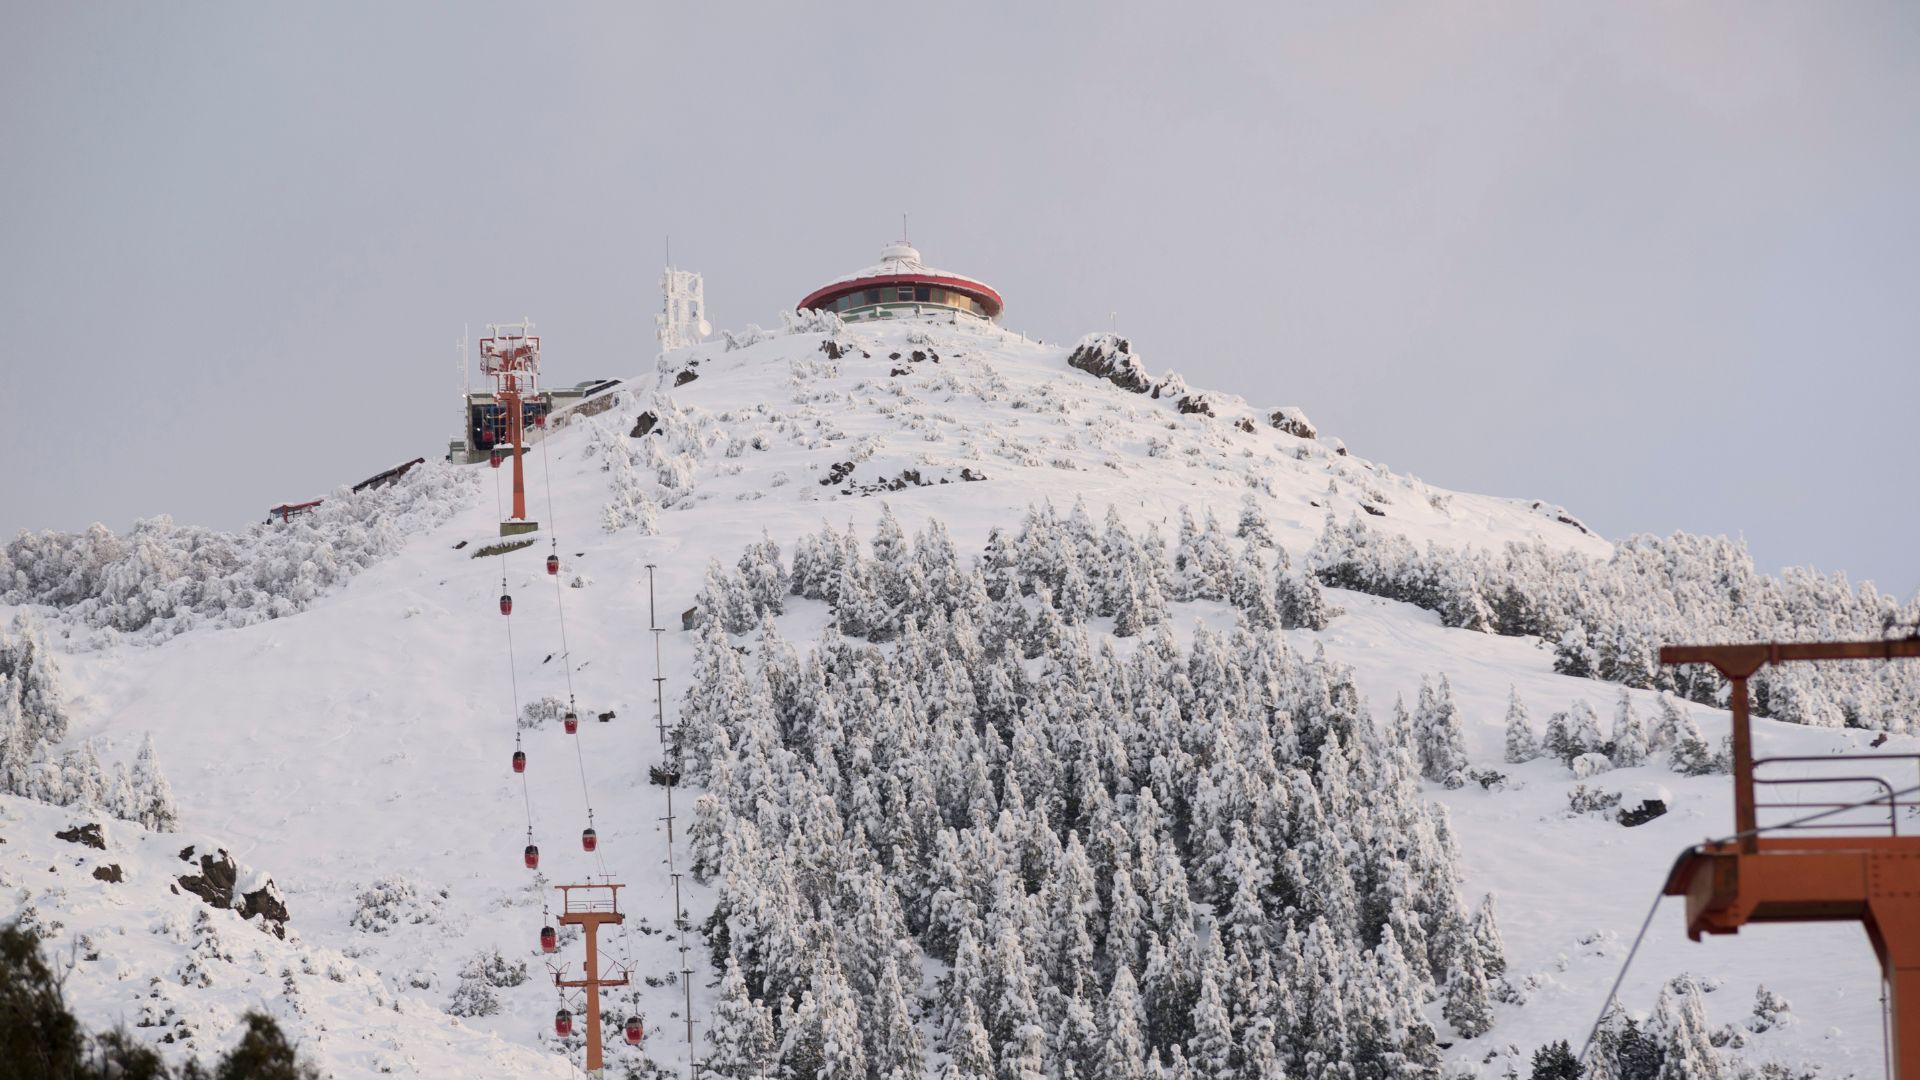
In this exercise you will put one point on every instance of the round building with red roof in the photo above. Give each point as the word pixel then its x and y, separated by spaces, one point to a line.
pixel 900 285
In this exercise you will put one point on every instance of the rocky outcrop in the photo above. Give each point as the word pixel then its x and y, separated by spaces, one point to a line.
pixel 218 883
pixel 1110 357
pixel 88 834
pixel 1293 422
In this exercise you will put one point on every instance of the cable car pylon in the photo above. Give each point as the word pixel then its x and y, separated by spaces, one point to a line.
pixel 594 906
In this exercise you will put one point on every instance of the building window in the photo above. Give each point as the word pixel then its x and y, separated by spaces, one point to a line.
pixel 922 293
pixel 873 296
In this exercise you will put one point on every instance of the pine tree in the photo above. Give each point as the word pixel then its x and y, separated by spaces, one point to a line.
pixel 821 1038
pixel 1769 1011
pixel 1680 1025
pixel 1583 729
pixel 1252 589
pixel 1629 737
pixel 1485 933
pixel 1555 1061
pixel 1210 1049
pixel 1468 1006
pixel 1671 728
pixel 969 1053
pixel 894 1044
pixel 1558 743
pixel 153 796
pixel 741 1032
pixel 1252 526
pixel 1441 742
pixel 1299 602
pixel 1522 747
pixel 1123 1048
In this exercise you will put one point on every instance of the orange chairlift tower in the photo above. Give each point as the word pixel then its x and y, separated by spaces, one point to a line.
pixel 1840 863
pixel 596 906
pixel 510 356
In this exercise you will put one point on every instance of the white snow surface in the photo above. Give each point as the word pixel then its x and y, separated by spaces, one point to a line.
pixel 367 737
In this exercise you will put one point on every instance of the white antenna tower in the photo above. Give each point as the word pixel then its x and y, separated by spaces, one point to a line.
pixel 466 389
pixel 683 317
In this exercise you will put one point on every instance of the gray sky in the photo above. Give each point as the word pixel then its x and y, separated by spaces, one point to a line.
pixel 1655 262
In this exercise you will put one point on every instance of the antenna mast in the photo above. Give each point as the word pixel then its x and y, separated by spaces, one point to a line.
pixel 466 389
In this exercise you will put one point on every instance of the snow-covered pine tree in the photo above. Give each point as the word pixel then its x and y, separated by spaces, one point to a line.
pixel 1252 526
pixel 763 577
pixel 1583 729
pixel 969 1052
pixel 1438 735
pixel 1558 742
pixel 1299 602
pixel 1522 746
pixel 153 804
pixel 1210 1049
pixel 1680 1026
pixel 821 1037
pixel 893 1046
pixel 740 1035
pixel 1252 589
pixel 1469 1002
pixel 1670 728
pixel 1629 736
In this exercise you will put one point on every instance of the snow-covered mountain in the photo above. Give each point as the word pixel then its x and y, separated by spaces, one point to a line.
pixel 944 551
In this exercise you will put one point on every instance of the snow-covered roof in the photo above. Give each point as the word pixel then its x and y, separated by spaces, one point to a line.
pixel 900 261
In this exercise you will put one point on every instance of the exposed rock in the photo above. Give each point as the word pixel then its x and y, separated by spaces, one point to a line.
pixel 216 882
pixel 1293 422
pixel 685 377
pixel 1110 357
pixel 644 425
pixel 1173 386
pixel 1645 812
pixel 833 349
pixel 840 471
pixel 88 834
pixel 1196 403
pixel 1372 509
pixel 109 873
pixel 1245 423
pixel 900 371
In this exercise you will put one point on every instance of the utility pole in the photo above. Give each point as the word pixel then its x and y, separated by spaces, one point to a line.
pixel 598 905
pixel 466 391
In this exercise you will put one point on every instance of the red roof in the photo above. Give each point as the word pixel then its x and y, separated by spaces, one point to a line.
pixel 827 293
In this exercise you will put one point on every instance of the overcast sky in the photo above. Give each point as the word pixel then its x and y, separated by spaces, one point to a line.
pixel 1659 263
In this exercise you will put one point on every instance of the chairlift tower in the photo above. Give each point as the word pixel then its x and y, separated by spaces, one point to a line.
pixel 594 907
pixel 1847 862
pixel 510 356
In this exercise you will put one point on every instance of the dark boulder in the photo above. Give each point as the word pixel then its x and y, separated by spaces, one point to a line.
pixel 88 834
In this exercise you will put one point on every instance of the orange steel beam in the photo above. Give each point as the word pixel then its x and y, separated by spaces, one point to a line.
pixel 1872 880
pixel 516 420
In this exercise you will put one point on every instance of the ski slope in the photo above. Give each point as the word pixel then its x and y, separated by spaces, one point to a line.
pixel 366 738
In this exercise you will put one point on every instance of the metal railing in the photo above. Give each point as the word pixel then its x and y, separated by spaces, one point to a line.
pixel 1879 788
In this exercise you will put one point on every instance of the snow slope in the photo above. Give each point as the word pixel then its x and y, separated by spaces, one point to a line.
pixel 366 739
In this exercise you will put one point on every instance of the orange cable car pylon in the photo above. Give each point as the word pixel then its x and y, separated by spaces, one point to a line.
pixel 1869 873
pixel 597 906
pixel 510 356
